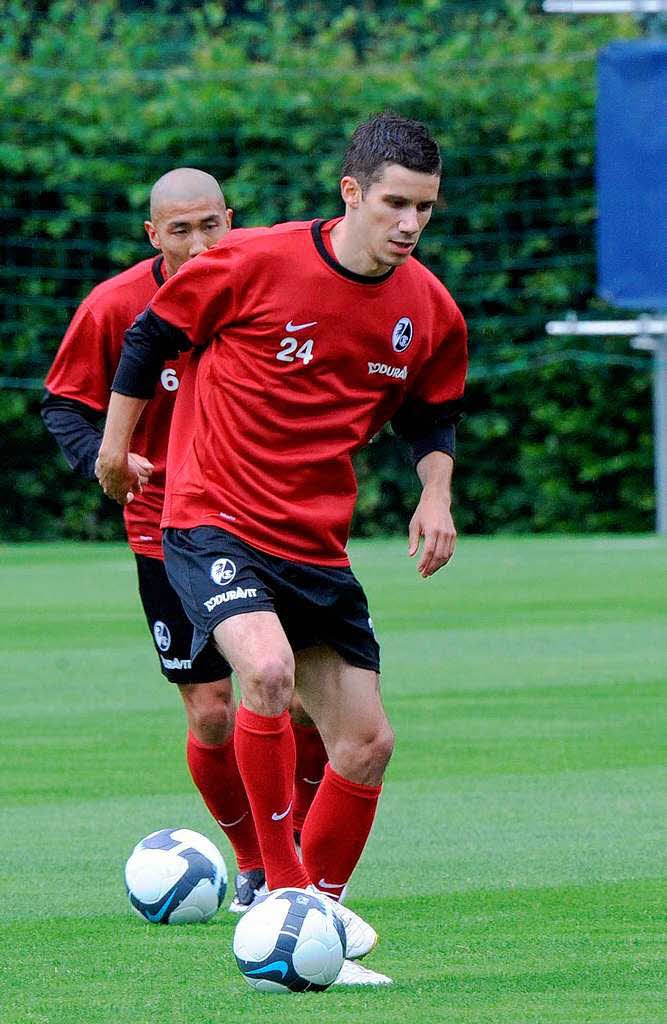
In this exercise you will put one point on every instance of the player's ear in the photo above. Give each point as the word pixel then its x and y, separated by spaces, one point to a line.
pixel 350 190
pixel 152 235
pixel 230 214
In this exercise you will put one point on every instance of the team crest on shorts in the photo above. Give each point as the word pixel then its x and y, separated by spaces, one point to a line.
pixel 402 334
pixel 162 635
pixel 223 571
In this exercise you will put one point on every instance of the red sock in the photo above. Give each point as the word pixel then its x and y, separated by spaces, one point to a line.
pixel 336 830
pixel 266 758
pixel 215 773
pixel 311 758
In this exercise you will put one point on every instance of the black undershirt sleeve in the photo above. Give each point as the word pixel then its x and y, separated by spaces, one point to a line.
pixel 428 427
pixel 149 342
pixel 74 426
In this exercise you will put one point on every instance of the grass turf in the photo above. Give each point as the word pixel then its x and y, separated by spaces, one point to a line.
pixel 514 872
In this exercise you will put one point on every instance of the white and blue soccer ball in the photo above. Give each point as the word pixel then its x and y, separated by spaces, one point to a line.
pixel 175 876
pixel 290 941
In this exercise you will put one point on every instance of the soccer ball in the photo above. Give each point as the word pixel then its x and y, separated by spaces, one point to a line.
pixel 290 941
pixel 175 876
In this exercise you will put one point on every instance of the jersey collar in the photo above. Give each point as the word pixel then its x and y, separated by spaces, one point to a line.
pixel 316 231
pixel 157 270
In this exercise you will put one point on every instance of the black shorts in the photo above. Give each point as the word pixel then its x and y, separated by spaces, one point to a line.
pixel 217 575
pixel 171 629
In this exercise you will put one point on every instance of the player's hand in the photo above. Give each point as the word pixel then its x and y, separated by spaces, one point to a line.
pixel 142 466
pixel 435 524
pixel 122 477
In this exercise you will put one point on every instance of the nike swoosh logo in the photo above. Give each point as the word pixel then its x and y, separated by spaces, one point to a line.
pixel 312 782
pixel 229 824
pixel 279 817
pixel 327 885
pixel 277 965
pixel 299 327
pixel 162 911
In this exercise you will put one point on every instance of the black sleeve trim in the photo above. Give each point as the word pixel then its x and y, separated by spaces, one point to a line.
pixel 442 439
pixel 149 342
pixel 73 425
pixel 428 427
pixel 416 419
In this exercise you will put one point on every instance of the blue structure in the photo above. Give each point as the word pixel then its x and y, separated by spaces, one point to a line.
pixel 632 174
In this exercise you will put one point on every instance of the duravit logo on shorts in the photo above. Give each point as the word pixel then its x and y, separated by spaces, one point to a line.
pixel 179 663
pixel 175 663
pixel 229 595
pixel 223 571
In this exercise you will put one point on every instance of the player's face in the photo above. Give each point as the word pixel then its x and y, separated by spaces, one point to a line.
pixel 182 229
pixel 391 215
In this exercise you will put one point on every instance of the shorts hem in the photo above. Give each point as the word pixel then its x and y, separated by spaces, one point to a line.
pixel 356 661
pixel 201 679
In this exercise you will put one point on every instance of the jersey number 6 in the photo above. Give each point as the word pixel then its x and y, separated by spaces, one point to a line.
pixel 169 380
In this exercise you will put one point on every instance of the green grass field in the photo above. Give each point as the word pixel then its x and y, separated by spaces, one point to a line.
pixel 516 869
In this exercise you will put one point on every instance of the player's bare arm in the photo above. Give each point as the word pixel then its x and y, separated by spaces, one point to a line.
pixel 432 519
pixel 120 476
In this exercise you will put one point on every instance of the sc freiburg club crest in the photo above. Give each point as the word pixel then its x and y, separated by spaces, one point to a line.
pixel 223 571
pixel 162 635
pixel 402 334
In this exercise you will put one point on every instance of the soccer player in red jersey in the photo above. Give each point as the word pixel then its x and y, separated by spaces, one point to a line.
pixel 307 338
pixel 188 216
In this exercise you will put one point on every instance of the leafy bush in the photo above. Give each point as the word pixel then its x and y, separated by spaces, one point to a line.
pixel 100 99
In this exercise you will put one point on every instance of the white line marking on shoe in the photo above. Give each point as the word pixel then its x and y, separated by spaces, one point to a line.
pixel 279 817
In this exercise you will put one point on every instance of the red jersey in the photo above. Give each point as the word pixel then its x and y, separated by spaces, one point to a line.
pixel 84 368
pixel 300 363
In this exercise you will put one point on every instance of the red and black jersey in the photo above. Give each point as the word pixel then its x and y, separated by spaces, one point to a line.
pixel 299 363
pixel 83 371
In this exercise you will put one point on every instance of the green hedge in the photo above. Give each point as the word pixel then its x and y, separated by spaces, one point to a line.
pixel 99 100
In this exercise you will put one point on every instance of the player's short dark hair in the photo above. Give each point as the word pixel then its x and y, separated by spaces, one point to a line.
pixel 389 138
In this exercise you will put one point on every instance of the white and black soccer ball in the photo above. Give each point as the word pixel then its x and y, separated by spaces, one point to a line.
pixel 290 941
pixel 175 876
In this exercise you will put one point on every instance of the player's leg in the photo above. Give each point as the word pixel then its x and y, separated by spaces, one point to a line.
pixel 203 563
pixel 227 590
pixel 256 646
pixel 209 704
pixel 211 713
pixel 211 757
pixel 311 757
pixel 345 702
pixel 210 709
pixel 222 584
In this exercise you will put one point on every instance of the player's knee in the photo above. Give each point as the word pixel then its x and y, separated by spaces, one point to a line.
pixel 210 710
pixel 365 758
pixel 268 687
pixel 383 747
pixel 378 751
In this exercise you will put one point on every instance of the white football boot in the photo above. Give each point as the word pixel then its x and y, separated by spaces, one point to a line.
pixel 352 973
pixel 360 937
